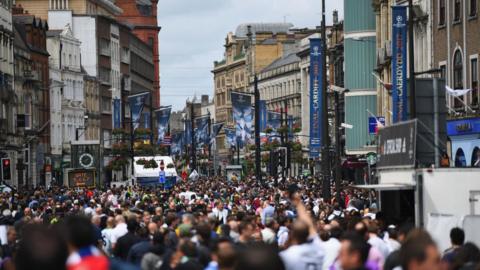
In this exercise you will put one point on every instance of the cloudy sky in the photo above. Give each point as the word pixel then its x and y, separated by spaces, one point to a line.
pixel 193 34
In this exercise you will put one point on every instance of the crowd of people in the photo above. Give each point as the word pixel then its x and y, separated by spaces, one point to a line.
pixel 213 224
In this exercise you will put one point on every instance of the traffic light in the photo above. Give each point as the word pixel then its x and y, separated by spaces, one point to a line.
pixel 6 171
pixel 282 157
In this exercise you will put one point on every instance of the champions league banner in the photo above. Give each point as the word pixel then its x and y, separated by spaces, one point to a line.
pixel 399 63
pixel 137 102
pixel 201 132
pixel 291 123
pixel 163 117
pixel 263 115
pixel 117 122
pixel 177 143
pixel 146 120
pixel 274 123
pixel 215 130
pixel 316 86
pixel 243 117
pixel 188 133
pixel 231 139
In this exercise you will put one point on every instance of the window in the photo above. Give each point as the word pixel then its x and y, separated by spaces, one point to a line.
pixel 458 75
pixel 474 80
pixel 28 112
pixel 473 8
pixel 106 105
pixel 457 10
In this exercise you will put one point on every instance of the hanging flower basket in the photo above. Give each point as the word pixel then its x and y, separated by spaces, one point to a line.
pixel 151 164
pixel 141 161
pixel 170 166
pixel 142 132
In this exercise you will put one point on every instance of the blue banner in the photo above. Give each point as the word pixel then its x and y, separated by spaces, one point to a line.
pixel 373 124
pixel 177 143
pixel 117 112
pixel 242 117
pixel 188 132
pixel 201 131
pixel 137 102
pixel 274 123
pixel 263 115
pixel 146 120
pixel 399 63
pixel 316 88
pixel 215 130
pixel 163 118
pixel 291 123
pixel 230 138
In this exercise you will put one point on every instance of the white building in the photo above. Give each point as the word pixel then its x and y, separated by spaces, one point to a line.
pixel 67 110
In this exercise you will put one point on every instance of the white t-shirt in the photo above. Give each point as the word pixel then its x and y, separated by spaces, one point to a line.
pixel 307 256
pixel 332 247
pixel 107 240
pixel 117 232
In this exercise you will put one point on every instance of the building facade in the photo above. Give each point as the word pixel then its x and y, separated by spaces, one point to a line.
pixel 423 45
pixel 456 43
pixel 241 61
pixel 33 32
pixel 7 104
pixel 142 16
pixel 67 97
pixel 360 56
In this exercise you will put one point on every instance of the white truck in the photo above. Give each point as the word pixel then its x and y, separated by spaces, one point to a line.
pixel 437 199
pixel 150 176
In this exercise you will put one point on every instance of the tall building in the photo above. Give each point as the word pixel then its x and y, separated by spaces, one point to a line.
pixel 67 98
pixel 32 30
pixel 360 56
pixel 456 43
pixel 142 16
pixel 423 48
pixel 7 100
pixel 241 61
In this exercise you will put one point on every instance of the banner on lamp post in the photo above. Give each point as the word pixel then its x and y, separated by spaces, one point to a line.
pixel 231 140
pixel 215 130
pixel 163 118
pixel 117 118
pixel 137 103
pixel 316 87
pixel 399 63
pixel 263 115
pixel 201 131
pixel 242 117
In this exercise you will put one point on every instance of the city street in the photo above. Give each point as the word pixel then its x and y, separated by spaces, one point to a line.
pixel 239 135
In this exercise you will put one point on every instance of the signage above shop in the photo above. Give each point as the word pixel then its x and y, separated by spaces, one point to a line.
pixel 397 145
pixel 463 127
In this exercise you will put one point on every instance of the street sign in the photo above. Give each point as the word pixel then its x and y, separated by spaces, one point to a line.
pixel 397 145
pixel 373 123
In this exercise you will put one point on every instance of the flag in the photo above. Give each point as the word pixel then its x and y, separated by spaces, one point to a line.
pixel 242 116
pixel 263 115
pixel 399 64
pixel 201 131
pixel 137 102
pixel 215 130
pixel 230 136
pixel 316 88
pixel 274 123
pixel 163 118
pixel 117 112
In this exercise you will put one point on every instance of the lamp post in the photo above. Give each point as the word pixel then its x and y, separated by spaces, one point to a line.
pixel 325 142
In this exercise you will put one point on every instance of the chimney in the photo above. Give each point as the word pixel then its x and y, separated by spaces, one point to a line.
pixel 335 17
pixel 204 100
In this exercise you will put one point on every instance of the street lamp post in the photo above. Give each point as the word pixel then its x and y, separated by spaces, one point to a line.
pixel 194 147
pixel 258 171
pixel 325 142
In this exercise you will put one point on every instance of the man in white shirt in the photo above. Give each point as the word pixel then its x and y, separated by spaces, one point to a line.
pixel 331 246
pixel 119 230
pixel 220 213
pixel 306 250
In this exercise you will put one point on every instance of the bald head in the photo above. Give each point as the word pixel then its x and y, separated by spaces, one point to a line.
pixel 300 232
pixel 119 219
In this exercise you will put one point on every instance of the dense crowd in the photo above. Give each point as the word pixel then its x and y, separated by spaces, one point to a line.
pixel 212 224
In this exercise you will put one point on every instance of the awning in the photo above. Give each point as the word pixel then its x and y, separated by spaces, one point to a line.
pixel 386 187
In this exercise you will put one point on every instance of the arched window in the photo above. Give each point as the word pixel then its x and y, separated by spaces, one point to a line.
pixel 458 75
pixel 476 157
pixel 460 160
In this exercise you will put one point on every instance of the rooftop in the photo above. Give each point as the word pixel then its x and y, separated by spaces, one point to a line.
pixel 283 61
pixel 242 29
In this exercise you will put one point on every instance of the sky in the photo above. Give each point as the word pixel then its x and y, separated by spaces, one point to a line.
pixel 193 34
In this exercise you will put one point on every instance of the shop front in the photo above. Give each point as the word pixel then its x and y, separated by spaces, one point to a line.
pixel 465 140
